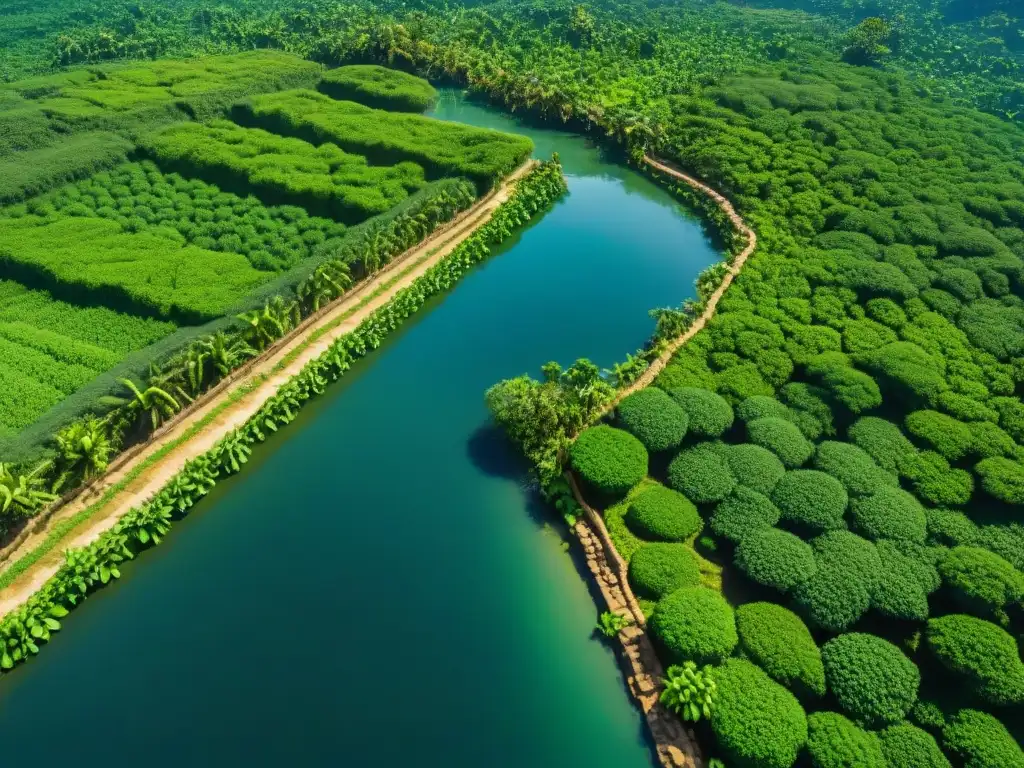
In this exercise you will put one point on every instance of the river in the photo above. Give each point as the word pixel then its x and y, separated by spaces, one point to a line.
pixel 379 587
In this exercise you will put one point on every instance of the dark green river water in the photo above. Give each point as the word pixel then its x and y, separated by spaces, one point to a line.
pixel 378 587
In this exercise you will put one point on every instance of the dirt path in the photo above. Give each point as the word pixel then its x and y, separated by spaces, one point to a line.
pixel 230 406
pixel 658 365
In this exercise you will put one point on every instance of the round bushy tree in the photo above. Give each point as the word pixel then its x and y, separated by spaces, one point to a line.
pixel 659 513
pixel 835 742
pixel 854 468
pixel 757 722
pixel 979 740
pixel 949 527
pixel 902 587
pixel 811 501
pixel 981 580
pixel 889 513
pixel 709 414
pixel 870 678
pixel 882 440
pixel 695 624
pixel 1002 479
pixel 658 569
pixel 702 474
pixel 781 437
pixel 759 407
pixel 609 460
pixel 980 652
pixel 777 640
pixel 943 434
pixel 654 418
pixel 832 598
pixel 936 482
pixel 775 558
pixel 907 746
pixel 755 467
pixel 848 551
pixel 742 512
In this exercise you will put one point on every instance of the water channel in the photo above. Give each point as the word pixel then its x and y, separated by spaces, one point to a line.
pixel 379 588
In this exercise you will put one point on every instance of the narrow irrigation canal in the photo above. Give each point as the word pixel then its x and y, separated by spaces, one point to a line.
pixel 378 587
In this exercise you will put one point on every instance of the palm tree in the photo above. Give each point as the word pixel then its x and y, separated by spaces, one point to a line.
pixel 262 327
pixel 23 494
pixel 154 400
pixel 328 282
pixel 85 447
pixel 213 357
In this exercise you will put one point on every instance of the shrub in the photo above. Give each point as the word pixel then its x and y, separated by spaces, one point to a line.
pixel 702 474
pixel 754 467
pixel 709 413
pixel 655 418
pixel 811 501
pixel 379 87
pixel 854 468
pixel 989 440
pixel 781 437
pixel 810 408
pixel 694 624
pixel 1002 479
pixel 948 437
pixel 835 742
pixel 938 483
pixel 743 512
pixel 657 512
pixel 777 640
pixel 882 440
pixel 980 579
pixel 949 528
pixel 854 389
pixel 870 678
pixel 889 513
pixel 907 746
pixel 978 740
pixel 775 558
pixel 831 599
pixel 760 407
pixel 757 722
pixel 980 652
pixel 842 549
pixel 609 460
pixel 658 569
pixel 899 591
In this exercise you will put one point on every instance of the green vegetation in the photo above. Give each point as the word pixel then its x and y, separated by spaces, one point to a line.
pixel 689 692
pixel 379 87
pixel 907 746
pixel 701 473
pixel 742 513
pixel 777 641
pixel 754 467
pixel 709 415
pixel 983 654
pixel 811 501
pixel 658 569
pixel 442 149
pixel 979 740
pixel 654 418
pixel 981 580
pixel 609 460
pixel 694 624
pixel 835 742
pixel 781 437
pixel 775 558
pixel 659 513
pixel 870 678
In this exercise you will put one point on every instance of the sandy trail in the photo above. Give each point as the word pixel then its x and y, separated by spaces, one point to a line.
pixel 235 401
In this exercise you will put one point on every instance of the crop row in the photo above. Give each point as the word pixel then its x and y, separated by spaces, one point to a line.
pixel 24 630
pixel 441 148
pixel 379 87
pixel 323 179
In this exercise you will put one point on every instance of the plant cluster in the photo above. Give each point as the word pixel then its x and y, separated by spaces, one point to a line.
pixel 379 87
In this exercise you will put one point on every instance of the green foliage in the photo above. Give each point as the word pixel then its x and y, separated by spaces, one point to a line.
pixel 689 691
pixel 775 558
pixel 854 389
pixel 936 482
pixel 754 467
pixel 654 418
pixel 610 624
pixel 853 467
pixel 811 501
pixel 694 624
pixel 840 592
pixel 835 742
pixel 945 435
pixel 379 87
pixel 658 569
pixel 904 582
pixel 889 513
pixel 38 170
pixel 609 460
pixel 442 149
pixel 702 474
pixel 979 740
pixel 1002 479
pixel 870 678
pixel 782 438
pixel 883 441
pixel 867 42
pixel 285 171
pixel 907 746
pixel 980 653
pixel 777 641
pixel 659 513
pixel 757 722
pixel 981 580
pixel 709 414
pixel 743 512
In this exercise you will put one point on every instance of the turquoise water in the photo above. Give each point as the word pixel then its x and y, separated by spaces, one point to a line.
pixel 378 588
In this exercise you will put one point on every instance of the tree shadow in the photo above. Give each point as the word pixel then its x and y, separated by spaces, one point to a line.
pixel 491 452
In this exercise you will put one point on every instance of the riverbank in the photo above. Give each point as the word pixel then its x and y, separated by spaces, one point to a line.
pixel 138 476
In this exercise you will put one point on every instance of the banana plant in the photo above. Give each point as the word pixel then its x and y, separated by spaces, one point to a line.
pixel 22 495
pixel 611 624
pixel 689 691
pixel 148 524
pixel 84 447
pixel 153 401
